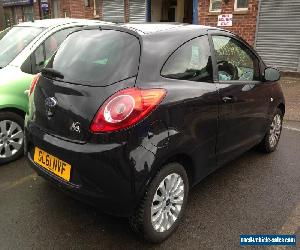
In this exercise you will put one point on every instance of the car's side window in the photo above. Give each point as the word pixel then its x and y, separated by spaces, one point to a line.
pixel 191 61
pixel 39 55
pixel 45 51
pixel 50 46
pixel 234 60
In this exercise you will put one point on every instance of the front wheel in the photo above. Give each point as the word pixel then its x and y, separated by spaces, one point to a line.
pixel 271 139
pixel 162 208
pixel 11 137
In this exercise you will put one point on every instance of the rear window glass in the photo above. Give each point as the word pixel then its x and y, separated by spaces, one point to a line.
pixel 97 58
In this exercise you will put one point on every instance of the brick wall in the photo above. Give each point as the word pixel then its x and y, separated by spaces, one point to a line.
pixel 36 11
pixel 76 9
pixel 244 23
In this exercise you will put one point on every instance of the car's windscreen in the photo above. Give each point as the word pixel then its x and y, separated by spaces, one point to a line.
pixel 97 57
pixel 14 40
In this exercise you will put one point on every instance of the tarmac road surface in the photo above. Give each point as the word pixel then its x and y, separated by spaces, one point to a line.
pixel 255 194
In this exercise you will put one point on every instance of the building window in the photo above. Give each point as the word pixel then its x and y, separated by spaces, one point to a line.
pixel 215 6
pixel 96 8
pixel 87 3
pixel 241 5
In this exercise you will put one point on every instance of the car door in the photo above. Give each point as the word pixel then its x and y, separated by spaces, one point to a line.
pixel 188 79
pixel 244 99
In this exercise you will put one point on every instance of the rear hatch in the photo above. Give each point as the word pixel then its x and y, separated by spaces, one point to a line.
pixel 90 66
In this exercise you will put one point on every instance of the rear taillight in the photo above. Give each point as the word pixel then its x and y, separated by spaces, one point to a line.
pixel 126 108
pixel 33 83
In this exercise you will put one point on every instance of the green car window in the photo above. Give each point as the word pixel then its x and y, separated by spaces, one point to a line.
pixel 14 41
pixel 46 50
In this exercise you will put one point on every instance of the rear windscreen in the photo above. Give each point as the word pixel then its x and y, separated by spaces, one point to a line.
pixel 97 57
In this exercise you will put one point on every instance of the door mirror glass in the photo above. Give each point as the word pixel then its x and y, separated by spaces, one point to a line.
pixel 272 75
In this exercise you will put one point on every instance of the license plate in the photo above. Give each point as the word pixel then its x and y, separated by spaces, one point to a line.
pixel 52 164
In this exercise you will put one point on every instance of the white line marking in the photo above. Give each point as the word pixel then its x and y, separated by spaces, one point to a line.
pixel 6 186
pixel 291 128
pixel 291 225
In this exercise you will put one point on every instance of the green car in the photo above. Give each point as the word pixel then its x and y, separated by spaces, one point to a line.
pixel 24 51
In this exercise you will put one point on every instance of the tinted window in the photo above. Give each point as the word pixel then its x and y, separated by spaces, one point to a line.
pixel 191 61
pixel 235 61
pixel 14 40
pixel 95 57
pixel 44 52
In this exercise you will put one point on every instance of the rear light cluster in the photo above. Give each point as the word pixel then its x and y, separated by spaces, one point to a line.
pixel 125 108
pixel 34 82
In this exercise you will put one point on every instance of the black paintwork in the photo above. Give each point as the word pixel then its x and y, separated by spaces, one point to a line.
pixel 192 125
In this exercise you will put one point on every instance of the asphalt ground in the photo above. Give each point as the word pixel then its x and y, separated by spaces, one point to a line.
pixel 254 194
pixel 291 90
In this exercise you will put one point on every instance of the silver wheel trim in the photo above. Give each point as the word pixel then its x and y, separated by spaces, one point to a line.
pixel 167 202
pixel 11 138
pixel 275 130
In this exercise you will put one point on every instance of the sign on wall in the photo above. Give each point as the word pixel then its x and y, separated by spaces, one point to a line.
pixel 44 5
pixel 225 20
pixel 16 2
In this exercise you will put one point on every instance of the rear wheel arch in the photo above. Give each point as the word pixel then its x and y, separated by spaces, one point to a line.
pixel 17 111
pixel 183 159
pixel 281 106
pixel 187 162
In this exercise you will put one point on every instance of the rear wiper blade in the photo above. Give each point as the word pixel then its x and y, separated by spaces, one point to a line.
pixel 52 73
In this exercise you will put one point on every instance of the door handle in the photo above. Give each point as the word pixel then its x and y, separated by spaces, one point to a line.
pixel 227 99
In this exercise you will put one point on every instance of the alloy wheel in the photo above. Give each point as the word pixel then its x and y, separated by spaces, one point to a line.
pixel 11 138
pixel 167 202
pixel 275 130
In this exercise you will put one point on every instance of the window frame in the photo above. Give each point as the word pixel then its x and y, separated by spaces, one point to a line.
pixel 87 3
pixel 240 9
pixel 179 47
pixel 95 9
pixel 247 46
pixel 214 11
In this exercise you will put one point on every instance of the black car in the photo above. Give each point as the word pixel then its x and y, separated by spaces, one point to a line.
pixel 130 117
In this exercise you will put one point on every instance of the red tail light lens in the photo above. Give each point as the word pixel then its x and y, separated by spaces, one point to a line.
pixel 126 108
pixel 33 83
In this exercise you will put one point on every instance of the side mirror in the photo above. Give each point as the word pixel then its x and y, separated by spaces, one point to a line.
pixel 272 75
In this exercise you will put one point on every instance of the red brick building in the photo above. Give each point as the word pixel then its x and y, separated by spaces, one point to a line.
pixel 243 18
pixel 272 26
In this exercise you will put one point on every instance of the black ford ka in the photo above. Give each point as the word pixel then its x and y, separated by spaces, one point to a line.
pixel 130 117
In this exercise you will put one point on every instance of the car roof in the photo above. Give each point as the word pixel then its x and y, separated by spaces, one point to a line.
pixel 154 28
pixel 48 23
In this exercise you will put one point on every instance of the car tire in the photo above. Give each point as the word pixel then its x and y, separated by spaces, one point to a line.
pixel 272 137
pixel 159 215
pixel 11 137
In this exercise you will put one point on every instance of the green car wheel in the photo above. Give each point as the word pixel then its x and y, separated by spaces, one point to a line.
pixel 11 136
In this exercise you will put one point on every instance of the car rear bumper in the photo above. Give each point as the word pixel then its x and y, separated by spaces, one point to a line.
pixel 100 174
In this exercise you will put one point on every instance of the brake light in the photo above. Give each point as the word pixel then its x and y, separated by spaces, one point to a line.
pixel 126 108
pixel 33 83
